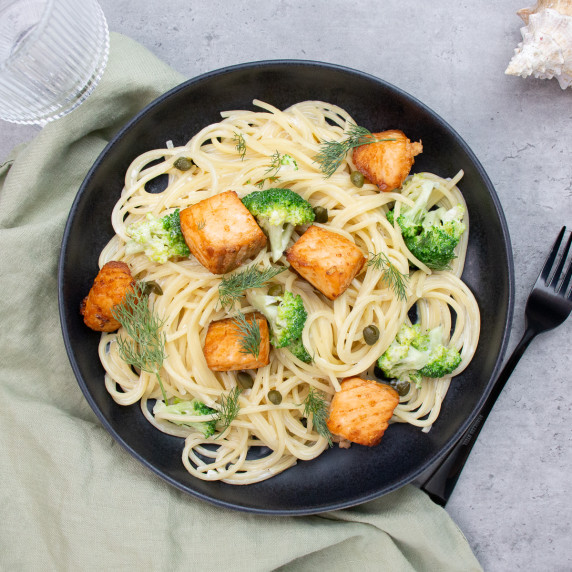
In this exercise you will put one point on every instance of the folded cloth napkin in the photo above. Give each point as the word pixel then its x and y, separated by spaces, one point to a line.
pixel 71 499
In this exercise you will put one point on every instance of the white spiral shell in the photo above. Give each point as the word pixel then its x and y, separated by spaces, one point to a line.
pixel 546 48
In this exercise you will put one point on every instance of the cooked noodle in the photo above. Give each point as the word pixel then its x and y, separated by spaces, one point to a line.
pixel 266 439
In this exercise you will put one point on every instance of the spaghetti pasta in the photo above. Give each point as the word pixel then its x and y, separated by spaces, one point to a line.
pixel 267 438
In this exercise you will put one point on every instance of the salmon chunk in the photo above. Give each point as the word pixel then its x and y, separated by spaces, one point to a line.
pixel 387 163
pixel 221 233
pixel 111 284
pixel 223 350
pixel 326 260
pixel 361 410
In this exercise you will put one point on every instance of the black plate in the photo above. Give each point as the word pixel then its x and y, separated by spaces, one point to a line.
pixel 339 478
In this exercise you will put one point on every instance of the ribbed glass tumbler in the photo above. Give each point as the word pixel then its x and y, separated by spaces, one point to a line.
pixel 52 54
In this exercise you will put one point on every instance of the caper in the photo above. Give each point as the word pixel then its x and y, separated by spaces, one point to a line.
pixel 183 163
pixel 357 179
pixel 370 334
pixel 151 287
pixel 402 387
pixel 275 397
pixel 275 290
pixel 244 380
pixel 320 214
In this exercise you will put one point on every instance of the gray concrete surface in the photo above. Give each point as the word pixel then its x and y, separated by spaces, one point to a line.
pixel 512 501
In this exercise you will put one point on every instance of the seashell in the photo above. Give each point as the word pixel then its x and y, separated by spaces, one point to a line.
pixel 546 47
pixel 561 6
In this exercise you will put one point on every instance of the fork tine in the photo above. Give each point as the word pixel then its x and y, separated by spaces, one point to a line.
pixel 566 281
pixel 545 272
pixel 558 272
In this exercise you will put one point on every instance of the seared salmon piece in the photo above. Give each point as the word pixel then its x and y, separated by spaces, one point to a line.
pixel 221 233
pixel 223 350
pixel 361 410
pixel 111 284
pixel 387 163
pixel 326 259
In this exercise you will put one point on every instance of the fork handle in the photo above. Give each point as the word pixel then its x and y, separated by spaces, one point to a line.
pixel 442 480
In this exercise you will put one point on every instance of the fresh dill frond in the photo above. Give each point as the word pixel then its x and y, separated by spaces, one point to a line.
pixel 231 288
pixel 145 346
pixel 316 406
pixel 332 153
pixel 229 409
pixel 275 164
pixel 201 224
pixel 390 276
pixel 250 338
pixel 277 161
pixel 240 144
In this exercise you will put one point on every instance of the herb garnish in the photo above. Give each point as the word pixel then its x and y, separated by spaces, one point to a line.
pixel 316 406
pixel 332 153
pixel 146 348
pixel 275 164
pixel 229 409
pixel 391 276
pixel 232 288
pixel 240 144
pixel 277 161
pixel 260 183
pixel 201 224
pixel 249 334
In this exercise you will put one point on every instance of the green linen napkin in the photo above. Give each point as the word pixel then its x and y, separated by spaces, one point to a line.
pixel 71 498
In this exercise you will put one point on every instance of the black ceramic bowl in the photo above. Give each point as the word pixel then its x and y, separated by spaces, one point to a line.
pixel 338 478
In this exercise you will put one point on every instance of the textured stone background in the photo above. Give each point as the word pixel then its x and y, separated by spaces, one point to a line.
pixel 512 501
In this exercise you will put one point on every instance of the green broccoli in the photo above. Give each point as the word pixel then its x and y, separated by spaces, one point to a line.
pixel 278 211
pixel 432 235
pixel 442 360
pixel 413 355
pixel 297 348
pixel 159 238
pixel 194 407
pixel 286 315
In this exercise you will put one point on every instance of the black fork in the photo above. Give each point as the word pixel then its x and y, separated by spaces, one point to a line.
pixel 549 304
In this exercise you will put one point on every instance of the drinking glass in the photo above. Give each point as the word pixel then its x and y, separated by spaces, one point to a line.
pixel 52 55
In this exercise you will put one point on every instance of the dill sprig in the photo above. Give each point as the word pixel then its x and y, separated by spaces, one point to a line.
pixel 390 276
pixel 332 153
pixel 249 334
pixel 231 288
pixel 229 409
pixel 240 144
pixel 145 346
pixel 275 164
pixel 260 183
pixel 277 161
pixel 316 406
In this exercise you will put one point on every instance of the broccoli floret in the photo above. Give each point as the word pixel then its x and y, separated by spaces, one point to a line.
pixel 441 360
pixel 278 211
pixel 286 315
pixel 407 334
pixel 288 161
pixel 159 238
pixel 399 360
pixel 194 407
pixel 297 348
pixel 431 236
pixel 414 354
